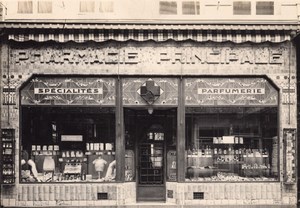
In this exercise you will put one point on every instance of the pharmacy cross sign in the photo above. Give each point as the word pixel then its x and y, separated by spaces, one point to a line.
pixel 150 91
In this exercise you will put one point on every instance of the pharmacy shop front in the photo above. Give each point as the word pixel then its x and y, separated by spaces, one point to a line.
pixel 213 125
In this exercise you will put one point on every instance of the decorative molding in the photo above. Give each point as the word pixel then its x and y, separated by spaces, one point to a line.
pixel 168 89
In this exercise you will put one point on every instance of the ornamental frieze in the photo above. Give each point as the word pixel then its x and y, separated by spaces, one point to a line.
pixel 150 91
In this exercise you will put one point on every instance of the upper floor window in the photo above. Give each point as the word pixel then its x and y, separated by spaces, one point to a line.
pixel 241 7
pixel 167 7
pixel 190 7
pixel 45 7
pixel 87 6
pixel 265 8
pixel 106 7
pixel 25 7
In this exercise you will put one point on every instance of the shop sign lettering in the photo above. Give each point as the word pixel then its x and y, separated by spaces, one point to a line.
pixel 232 91
pixel 218 91
pixel 110 56
pixel 68 91
pixel 159 55
pixel 222 56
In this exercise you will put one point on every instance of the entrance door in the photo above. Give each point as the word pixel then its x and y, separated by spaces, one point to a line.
pixel 151 165
pixel 151 135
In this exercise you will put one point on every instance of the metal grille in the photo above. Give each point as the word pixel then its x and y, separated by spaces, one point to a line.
pixel 151 163
pixel 102 196
pixel 170 194
pixel 198 195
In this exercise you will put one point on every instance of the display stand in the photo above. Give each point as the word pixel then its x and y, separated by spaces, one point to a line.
pixel 171 165
pixel 8 155
pixel 129 165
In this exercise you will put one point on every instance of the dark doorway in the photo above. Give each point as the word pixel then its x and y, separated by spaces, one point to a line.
pixel 151 133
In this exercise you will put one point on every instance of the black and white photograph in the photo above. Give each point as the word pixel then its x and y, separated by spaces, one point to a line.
pixel 149 103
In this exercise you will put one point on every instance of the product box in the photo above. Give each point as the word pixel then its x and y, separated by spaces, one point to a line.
pixel 96 146
pixel 108 146
pixel 101 146
pixel 228 139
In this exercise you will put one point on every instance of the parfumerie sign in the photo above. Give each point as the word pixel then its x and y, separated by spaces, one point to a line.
pixel 72 91
pixel 232 91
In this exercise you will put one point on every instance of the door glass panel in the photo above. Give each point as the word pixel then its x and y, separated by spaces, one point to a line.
pixel 151 159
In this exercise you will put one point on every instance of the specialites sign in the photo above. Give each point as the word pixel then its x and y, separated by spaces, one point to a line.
pixel 69 91
pixel 230 91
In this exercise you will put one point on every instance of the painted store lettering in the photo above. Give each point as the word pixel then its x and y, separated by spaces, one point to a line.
pixel 221 56
pixel 233 91
pixel 173 56
pixel 68 91
pixel 112 56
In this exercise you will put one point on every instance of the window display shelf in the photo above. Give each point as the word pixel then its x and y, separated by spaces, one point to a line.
pixel 42 152
pixel 196 156
pixel 100 152
pixel 8 156
pixel 230 163
pixel 228 154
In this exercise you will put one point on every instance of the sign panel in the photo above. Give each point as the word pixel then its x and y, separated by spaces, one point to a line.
pixel 146 58
pixel 230 91
pixel 69 91
pixel 71 138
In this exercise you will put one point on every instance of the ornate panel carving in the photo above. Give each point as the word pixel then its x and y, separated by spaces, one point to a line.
pixel 168 93
pixel 230 91
pixel 69 91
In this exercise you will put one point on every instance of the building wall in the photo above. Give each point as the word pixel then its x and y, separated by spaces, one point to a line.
pixel 277 61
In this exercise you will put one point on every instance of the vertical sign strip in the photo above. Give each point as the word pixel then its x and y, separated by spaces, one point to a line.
pixel 289 138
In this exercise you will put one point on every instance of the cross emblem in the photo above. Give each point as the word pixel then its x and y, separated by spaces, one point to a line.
pixel 150 91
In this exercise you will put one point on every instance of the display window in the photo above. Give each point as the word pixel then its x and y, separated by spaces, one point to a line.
pixel 231 144
pixel 68 144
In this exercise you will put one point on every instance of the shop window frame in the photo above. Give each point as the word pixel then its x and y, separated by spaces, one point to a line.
pixel 182 178
pixel 84 143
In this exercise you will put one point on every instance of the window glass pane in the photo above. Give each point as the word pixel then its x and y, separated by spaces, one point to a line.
pixel 242 7
pixel 265 8
pixel 44 7
pixel 231 144
pixel 106 7
pixel 87 6
pixel 190 7
pixel 68 144
pixel 167 7
pixel 25 7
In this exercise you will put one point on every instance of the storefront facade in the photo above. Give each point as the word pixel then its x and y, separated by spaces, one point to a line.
pixel 118 123
pixel 166 106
